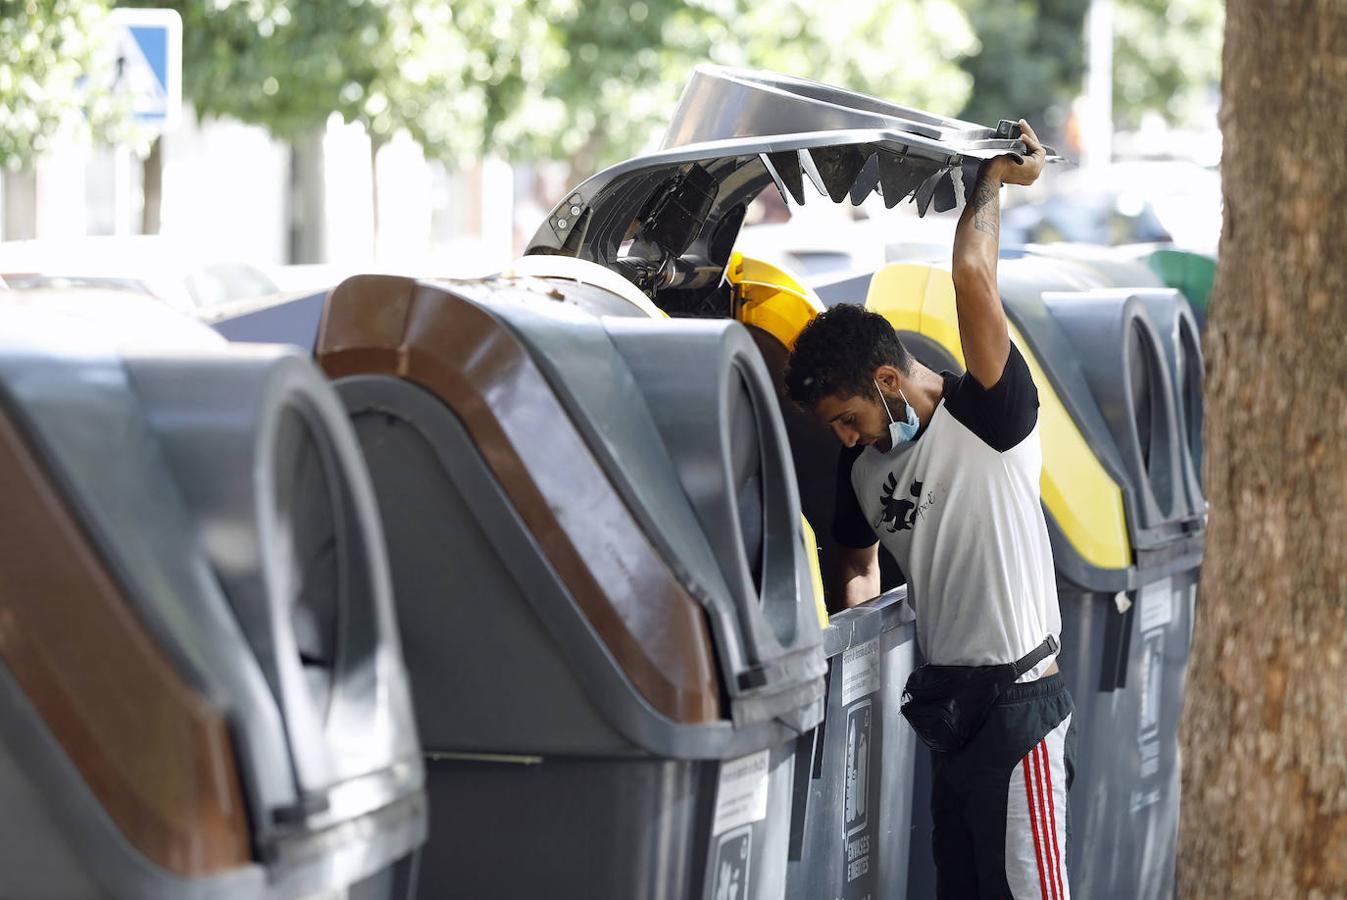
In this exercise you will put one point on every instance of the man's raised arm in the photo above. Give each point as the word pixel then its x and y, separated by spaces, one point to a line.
pixel 982 321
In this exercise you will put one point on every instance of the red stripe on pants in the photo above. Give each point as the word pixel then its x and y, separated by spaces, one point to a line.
pixel 1043 818
pixel 1033 824
pixel 1052 820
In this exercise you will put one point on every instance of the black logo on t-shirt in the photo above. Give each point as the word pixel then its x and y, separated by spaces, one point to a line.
pixel 899 514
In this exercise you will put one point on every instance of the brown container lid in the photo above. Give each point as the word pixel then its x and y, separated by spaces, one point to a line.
pixel 455 348
pixel 151 749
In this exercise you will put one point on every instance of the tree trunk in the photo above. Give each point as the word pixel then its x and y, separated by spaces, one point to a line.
pixel 374 147
pixel 1265 727
pixel 308 207
pixel 152 189
pixel 19 215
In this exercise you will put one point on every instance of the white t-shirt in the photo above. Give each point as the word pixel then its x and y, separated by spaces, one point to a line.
pixel 960 510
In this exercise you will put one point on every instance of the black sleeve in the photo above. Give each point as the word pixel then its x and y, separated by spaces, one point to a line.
pixel 849 526
pixel 1002 415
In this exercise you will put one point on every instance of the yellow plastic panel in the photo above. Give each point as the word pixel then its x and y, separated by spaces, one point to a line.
pixel 897 293
pixel 772 299
pixel 816 575
pixel 1084 500
pixel 779 311
pixel 746 268
pixel 940 314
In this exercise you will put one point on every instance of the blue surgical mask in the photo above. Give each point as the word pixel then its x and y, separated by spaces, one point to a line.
pixel 900 432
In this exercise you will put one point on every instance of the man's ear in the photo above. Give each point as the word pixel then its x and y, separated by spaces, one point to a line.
pixel 888 378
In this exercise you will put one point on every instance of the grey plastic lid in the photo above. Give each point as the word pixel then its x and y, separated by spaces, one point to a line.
pixel 271 470
pixel 721 102
pixel 1123 361
pixel 682 416
pixel 1176 327
pixel 734 133
pixel 119 432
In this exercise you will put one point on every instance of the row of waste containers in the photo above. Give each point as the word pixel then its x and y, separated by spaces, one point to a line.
pixel 518 567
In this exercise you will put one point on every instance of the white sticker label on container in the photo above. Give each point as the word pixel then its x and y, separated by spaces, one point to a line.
pixel 860 671
pixel 1157 604
pixel 741 795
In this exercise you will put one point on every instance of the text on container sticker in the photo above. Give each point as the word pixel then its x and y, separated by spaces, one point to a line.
pixel 860 671
pixel 741 795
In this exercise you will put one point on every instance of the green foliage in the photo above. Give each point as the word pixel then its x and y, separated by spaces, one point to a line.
pixel 906 51
pixel 592 80
pixel 46 48
pixel 274 63
pixel 610 71
pixel 1031 58
pixel 587 80
pixel 1166 57
pixel 603 74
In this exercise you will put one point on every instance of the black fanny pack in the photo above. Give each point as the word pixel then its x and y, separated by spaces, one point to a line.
pixel 946 705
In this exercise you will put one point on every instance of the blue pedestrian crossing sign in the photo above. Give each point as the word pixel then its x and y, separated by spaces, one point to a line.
pixel 146 49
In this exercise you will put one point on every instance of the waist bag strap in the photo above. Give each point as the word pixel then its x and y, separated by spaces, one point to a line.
pixel 1035 656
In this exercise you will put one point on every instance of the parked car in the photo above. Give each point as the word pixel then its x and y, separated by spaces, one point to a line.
pixel 174 272
pixel 1143 202
pixel 126 317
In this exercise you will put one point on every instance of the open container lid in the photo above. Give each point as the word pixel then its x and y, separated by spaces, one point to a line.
pixel 733 133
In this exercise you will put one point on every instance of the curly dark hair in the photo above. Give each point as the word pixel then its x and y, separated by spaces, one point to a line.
pixel 838 352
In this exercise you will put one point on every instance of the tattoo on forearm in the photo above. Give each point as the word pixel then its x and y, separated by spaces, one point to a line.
pixel 987 208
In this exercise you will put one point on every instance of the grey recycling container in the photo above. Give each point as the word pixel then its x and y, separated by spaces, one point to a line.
pixel 851 820
pixel 1120 358
pixel 1138 353
pixel 201 687
pixel 286 319
pixel 607 610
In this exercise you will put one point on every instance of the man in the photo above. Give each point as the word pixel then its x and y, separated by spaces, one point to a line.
pixel 945 470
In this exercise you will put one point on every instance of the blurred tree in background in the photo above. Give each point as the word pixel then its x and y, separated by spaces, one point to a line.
pixel 275 64
pixel 46 48
pixel 611 71
pixel 593 80
pixel 1030 59
pixel 386 64
pixel 588 82
pixel 1166 58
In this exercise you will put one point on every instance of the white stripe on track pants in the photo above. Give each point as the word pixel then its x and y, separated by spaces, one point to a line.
pixel 1000 816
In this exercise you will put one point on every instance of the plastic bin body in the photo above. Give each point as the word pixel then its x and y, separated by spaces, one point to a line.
pixel 1126 804
pixel 609 706
pixel 853 839
pixel 619 827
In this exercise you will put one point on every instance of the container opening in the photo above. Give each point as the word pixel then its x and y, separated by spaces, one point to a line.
pixel 308 542
pixel 1148 413
pixel 746 462
pixel 1191 376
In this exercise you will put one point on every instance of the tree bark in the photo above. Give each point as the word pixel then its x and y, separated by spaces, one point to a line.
pixel 1265 726
pixel 152 189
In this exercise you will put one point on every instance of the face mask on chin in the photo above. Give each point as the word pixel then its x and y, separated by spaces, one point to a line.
pixel 906 430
